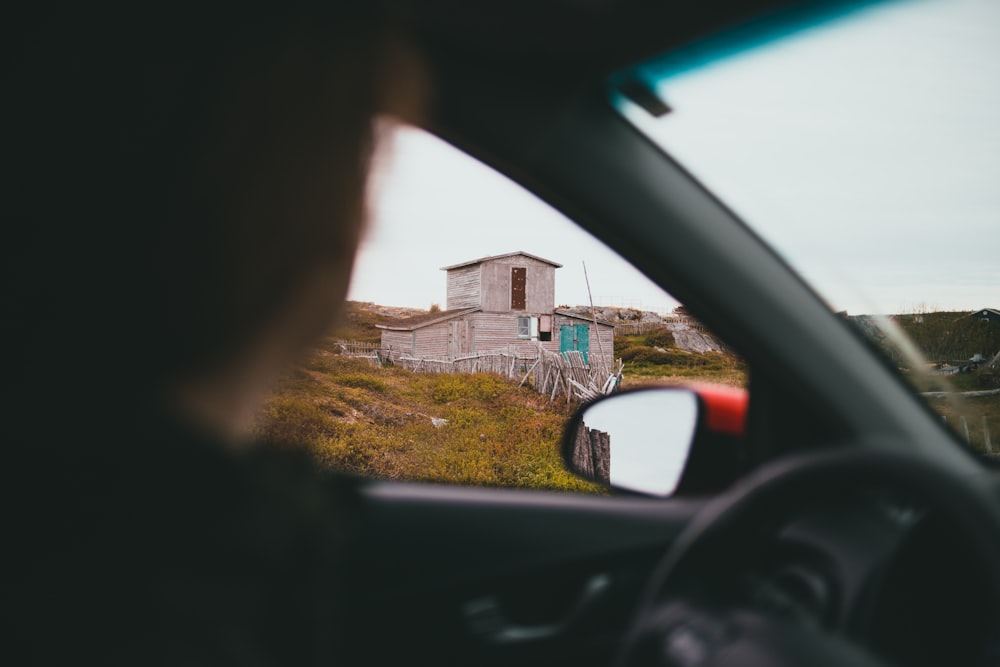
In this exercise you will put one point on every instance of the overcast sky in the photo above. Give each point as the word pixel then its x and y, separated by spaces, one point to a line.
pixel 867 151
pixel 434 206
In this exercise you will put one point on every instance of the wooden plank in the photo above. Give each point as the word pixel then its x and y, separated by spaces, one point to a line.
pixel 535 365
pixel 464 288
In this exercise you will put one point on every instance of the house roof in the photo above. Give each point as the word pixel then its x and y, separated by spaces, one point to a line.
pixel 585 318
pixel 420 321
pixel 984 311
pixel 491 257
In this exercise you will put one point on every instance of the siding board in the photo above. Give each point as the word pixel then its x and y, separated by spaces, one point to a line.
pixel 539 291
pixel 464 287
pixel 432 341
pixel 397 342
pixel 459 338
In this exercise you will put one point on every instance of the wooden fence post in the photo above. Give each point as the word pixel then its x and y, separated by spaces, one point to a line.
pixel 592 454
pixel 600 445
pixel 986 436
pixel 583 461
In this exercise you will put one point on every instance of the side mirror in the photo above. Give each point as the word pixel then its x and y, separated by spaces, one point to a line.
pixel 660 440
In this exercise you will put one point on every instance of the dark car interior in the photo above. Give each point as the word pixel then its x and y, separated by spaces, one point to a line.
pixel 851 531
pixel 513 577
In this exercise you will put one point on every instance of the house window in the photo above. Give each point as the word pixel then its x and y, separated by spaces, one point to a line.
pixel 523 326
pixel 545 328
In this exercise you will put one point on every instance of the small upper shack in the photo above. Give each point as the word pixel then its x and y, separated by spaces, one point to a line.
pixel 516 281
pixel 500 302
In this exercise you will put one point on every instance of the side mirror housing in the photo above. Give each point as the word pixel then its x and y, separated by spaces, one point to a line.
pixel 660 441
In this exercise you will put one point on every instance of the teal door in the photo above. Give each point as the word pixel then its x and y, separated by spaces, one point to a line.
pixel 567 338
pixel 583 341
pixel 575 337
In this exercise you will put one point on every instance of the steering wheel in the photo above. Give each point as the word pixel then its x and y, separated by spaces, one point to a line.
pixel 683 622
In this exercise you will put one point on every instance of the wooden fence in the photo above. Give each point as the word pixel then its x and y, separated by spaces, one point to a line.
pixel 371 351
pixel 592 453
pixel 637 328
pixel 548 373
pixel 967 426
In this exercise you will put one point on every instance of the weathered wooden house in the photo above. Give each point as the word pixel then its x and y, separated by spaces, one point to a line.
pixel 499 303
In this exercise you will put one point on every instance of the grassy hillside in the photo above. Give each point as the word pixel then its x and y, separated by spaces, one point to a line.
pixel 974 410
pixel 950 336
pixel 359 320
pixel 380 422
pixel 653 358
pixel 940 336
pixel 481 429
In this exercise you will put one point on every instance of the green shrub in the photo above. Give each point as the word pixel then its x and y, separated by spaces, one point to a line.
pixel 334 363
pixel 628 352
pixel 378 423
pixel 648 355
pixel 478 386
pixel 362 381
pixel 448 388
pixel 485 387
pixel 660 338
pixel 622 343
pixel 295 420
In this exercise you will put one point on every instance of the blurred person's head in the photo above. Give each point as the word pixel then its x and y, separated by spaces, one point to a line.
pixel 189 197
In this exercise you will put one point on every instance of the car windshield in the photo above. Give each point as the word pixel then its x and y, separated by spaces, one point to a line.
pixel 864 146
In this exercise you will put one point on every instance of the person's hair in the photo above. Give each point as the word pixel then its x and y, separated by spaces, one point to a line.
pixel 178 174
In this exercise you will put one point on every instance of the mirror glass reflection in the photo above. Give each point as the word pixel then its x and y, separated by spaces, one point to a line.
pixel 638 440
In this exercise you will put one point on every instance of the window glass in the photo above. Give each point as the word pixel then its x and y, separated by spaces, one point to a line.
pixel 866 149
pixel 436 373
pixel 524 327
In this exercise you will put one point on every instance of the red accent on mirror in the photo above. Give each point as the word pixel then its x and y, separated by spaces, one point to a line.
pixel 725 408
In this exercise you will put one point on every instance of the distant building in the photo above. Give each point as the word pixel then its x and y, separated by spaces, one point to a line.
pixel 991 315
pixel 496 303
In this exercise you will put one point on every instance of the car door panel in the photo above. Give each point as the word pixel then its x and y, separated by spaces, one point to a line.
pixel 518 577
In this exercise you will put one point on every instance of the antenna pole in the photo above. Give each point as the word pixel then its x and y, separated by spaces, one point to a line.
pixel 593 313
